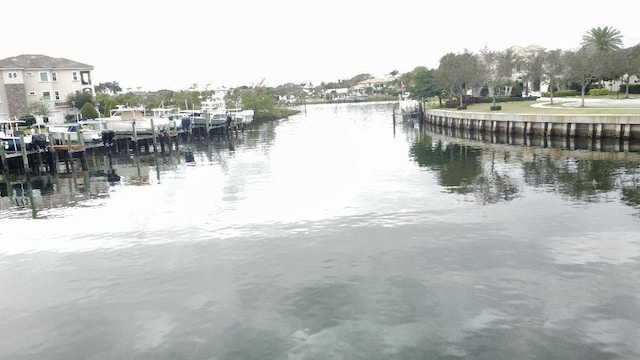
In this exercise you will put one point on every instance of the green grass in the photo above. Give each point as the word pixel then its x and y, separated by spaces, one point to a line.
pixel 524 107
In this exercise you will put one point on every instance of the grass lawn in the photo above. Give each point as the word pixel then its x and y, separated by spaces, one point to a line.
pixel 525 107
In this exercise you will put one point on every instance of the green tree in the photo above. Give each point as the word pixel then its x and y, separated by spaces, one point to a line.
pixel 603 39
pixel 106 103
pixel 79 98
pixel 88 111
pixel 422 83
pixel 108 87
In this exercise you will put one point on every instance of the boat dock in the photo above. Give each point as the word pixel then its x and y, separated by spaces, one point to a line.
pixel 65 157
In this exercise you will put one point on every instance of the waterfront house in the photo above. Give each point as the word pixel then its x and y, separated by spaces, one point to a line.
pixel 33 78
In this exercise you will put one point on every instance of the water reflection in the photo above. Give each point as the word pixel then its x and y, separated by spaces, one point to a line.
pixel 497 170
pixel 333 234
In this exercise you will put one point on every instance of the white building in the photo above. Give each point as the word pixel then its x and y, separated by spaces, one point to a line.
pixel 31 78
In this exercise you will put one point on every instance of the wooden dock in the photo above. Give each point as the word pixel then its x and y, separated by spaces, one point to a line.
pixel 50 157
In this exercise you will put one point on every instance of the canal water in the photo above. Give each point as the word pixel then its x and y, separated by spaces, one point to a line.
pixel 337 233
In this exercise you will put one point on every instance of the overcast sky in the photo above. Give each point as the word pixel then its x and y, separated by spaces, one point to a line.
pixel 162 45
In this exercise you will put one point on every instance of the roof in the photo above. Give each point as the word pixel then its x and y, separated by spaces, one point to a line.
pixel 525 51
pixel 377 80
pixel 33 61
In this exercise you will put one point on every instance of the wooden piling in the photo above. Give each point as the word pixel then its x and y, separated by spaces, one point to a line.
pixel 25 158
pixel 135 139
pixel 83 154
pixel 3 158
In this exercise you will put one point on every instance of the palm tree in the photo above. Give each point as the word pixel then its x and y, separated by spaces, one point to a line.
pixel 603 39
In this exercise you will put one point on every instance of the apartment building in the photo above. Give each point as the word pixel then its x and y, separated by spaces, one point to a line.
pixel 39 78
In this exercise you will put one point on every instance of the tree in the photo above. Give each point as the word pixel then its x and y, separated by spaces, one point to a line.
pixel 497 67
pixel 108 87
pixel 79 98
pixel 422 83
pixel 88 111
pixel 394 73
pixel 583 67
pixel 629 65
pixel 533 69
pixel 553 67
pixel 602 39
pixel 458 72
pixel 38 109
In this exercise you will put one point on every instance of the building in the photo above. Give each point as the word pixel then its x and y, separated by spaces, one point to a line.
pixel 31 78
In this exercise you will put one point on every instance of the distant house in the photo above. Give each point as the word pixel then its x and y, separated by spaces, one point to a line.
pixel 31 78
pixel 374 85
pixel 338 94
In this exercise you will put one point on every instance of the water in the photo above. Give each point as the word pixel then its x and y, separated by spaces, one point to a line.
pixel 330 235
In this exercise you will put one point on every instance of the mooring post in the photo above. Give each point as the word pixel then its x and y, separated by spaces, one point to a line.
pixel 135 139
pixel 153 135
pixel 84 161
pixel 53 158
pixel 25 158
pixel 69 153
pixel 3 157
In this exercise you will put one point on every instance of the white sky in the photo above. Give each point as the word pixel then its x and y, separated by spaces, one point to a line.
pixel 161 45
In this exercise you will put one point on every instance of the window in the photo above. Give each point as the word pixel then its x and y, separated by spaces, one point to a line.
pixel 56 94
pixel 74 75
pixel 29 73
pixel 13 75
pixel 46 95
pixel 54 76
pixel 31 93
pixel 44 76
pixel 86 79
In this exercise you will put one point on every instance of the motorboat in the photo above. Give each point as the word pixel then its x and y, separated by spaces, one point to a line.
pixel 129 119
pixel 91 131
pixel 10 135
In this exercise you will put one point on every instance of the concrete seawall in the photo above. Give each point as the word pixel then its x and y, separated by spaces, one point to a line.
pixel 563 125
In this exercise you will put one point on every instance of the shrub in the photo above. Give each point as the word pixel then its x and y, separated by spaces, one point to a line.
pixel 633 88
pixel 495 107
pixel 598 92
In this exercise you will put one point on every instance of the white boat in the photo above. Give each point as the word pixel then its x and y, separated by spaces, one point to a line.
pixel 127 119
pixel 10 137
pixel 242 117
pixel 407 106
pixel 214 111
pixel 60 134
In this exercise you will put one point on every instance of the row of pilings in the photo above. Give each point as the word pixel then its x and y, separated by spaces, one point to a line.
pixel 70 156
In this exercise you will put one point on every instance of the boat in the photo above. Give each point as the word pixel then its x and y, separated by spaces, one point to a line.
pixel 124 119
pixel 407 106
pixel 214 111
pixel 242 117
pixel 10 135
pixel 91 131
